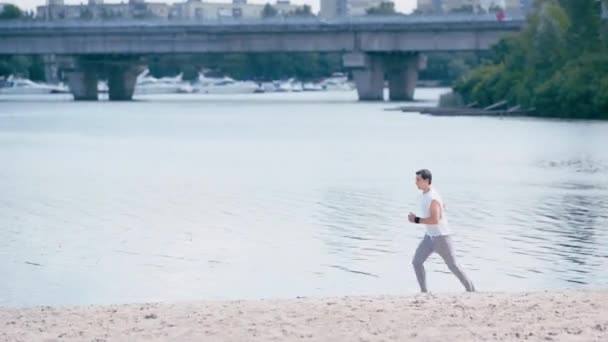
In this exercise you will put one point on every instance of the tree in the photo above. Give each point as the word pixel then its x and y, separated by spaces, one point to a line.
pixel 463 9
pixel 494 8
pixel 22 66
pixel 250 66
pixel 303 11
pixel 269 11
pixel 557 65
pixel 449 67
pixel 106 14
pixel 86 14
pixel 385 8
pixel 11 12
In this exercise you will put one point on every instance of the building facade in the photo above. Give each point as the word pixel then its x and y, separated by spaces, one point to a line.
pixel 198 9
pixel 449 6
pixel 360 7
pixel 343 8
pixel 58 10
pixel 429 6
pixel 138 9
pixel 518 7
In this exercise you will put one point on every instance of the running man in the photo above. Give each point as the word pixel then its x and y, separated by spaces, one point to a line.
pixel 437 238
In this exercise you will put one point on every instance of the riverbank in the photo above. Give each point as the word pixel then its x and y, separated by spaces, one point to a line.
pixel 540 316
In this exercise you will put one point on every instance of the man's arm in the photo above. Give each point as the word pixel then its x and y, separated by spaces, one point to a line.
pixel 433 219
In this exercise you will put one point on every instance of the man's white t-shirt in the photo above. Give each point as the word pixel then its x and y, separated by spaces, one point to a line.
pixel 442 227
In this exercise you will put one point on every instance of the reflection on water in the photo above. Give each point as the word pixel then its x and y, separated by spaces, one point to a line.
pixel 578 218
pixel 587 165
pixel 176 198
pixel 357 227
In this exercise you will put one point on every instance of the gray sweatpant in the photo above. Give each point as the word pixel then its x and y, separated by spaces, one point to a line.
pixel 443 246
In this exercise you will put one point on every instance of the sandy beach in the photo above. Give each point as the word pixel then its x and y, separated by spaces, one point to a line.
pixel 538 316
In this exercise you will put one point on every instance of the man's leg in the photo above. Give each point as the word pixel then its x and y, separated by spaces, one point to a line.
pixel 425 248
pixel 443 246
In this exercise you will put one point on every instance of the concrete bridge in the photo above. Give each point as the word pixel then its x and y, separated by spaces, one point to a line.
pixel 371 46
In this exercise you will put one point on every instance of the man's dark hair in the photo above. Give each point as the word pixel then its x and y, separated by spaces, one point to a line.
pixel 426 175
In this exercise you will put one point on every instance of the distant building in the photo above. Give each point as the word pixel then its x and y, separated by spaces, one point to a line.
pixel 526 5
pixel 518 7
pixel 452 5
pixel 57 10
pixel 447 6
pixel 134 9
pixel 343 8
pixel 515 7
pixel 360 7
pixel 197 9
pixel 430 6
pixel 333 8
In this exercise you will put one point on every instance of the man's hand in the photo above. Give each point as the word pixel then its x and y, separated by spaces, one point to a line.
pixel 411 217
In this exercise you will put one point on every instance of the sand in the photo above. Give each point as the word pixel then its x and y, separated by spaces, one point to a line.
pixel 539 316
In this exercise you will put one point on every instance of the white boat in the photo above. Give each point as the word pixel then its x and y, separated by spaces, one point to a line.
pixel 60 88
pixel 21 86
pixel 309 86
pixel 283 86
pixel 156 87
pixel 331 86
pixel 102 87
pixel 296 87
pixel 337 82
pixel 175 79
pixel 225 85
pixel 268 87
pixel 147 84
pixel 150 85
pixel 185 88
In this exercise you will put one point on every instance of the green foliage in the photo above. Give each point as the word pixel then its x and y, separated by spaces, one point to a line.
pixel 11 12
pixel 557 65
pixel 384 8
pixel 269 11
pixel 303 11
pixel 22 66
pixel 449 67
pixel 255 66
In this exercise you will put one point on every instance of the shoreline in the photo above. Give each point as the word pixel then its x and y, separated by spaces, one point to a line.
pixel 569 315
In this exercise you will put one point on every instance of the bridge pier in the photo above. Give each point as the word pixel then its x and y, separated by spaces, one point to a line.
pixel 81 80
pixel 369 71
pixel 402 71
pixel 82 84
pixel 50 68
pixel 82 74
pixel 121 81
